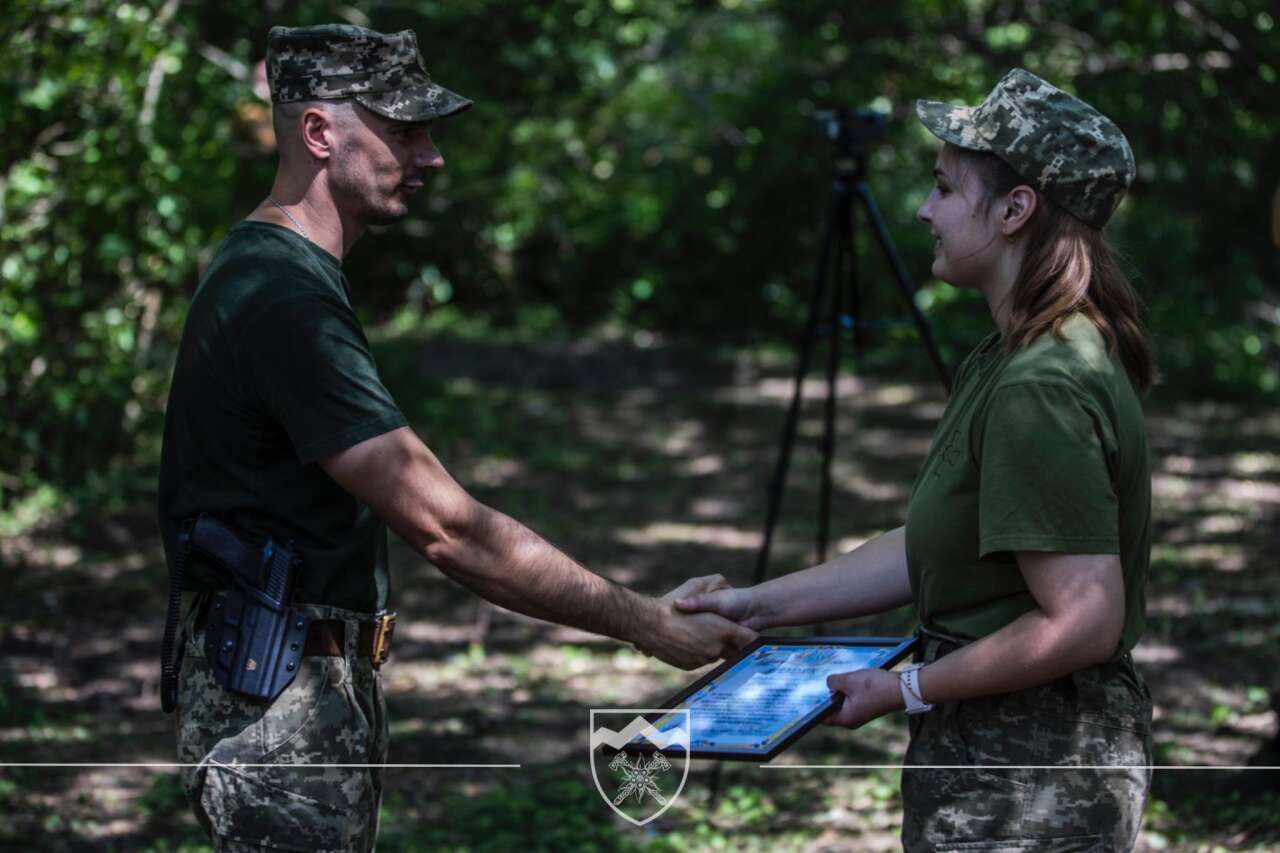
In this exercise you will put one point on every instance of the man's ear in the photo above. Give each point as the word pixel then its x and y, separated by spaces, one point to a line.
pixel 319 132
pixel 1019 204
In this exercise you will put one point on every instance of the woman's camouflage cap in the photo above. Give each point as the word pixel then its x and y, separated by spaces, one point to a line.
pixel 380 71
pixel 1065 148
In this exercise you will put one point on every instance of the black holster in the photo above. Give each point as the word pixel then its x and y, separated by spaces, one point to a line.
pixel 254 636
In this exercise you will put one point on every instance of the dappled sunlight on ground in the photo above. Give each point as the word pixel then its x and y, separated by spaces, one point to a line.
pixel 649 465
pixel 669 532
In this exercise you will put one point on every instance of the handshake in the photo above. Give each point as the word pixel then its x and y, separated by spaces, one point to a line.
pixel 706 619
pixel 702 620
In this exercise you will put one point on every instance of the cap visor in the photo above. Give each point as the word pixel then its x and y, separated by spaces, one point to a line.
pixel 423 102
pixel 951 123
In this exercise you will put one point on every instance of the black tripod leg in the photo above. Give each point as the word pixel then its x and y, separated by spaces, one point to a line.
pixel 778 483
pixel 904 281
pixel 855 291
pixel 843 255
pixel 843 266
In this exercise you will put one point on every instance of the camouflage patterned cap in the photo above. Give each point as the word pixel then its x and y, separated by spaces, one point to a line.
pixel 1065 148
pixel 380 71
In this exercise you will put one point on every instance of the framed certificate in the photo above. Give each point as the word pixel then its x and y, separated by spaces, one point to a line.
pixel 754 706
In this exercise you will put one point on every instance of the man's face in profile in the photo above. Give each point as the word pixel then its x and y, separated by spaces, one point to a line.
pixel 379 166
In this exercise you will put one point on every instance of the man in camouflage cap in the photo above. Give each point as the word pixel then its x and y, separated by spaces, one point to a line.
pixel 1065 148
pixel 383 73
pixel 279 426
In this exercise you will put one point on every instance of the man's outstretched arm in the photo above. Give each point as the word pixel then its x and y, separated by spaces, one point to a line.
pixel 500 559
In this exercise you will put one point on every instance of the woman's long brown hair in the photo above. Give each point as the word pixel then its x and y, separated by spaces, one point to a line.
pixel 1068 267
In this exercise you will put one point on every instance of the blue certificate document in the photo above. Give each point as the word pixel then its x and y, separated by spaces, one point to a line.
pixel 754 706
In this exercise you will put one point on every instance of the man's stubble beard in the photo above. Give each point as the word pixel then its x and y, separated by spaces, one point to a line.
pixel 363 197
pixel 378 211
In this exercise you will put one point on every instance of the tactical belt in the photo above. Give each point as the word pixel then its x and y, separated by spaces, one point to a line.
pixel 254 633
pixel 326 638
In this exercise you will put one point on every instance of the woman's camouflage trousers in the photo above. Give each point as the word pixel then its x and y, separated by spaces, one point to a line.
pixel 1017 789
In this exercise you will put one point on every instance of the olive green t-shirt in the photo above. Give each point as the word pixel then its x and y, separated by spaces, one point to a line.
pixel 274 373
pixel 1044 449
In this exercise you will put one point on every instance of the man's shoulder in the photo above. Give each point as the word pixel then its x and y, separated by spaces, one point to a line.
pixel 257 266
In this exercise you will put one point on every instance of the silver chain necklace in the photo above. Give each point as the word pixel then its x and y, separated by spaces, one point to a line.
pixel 296 223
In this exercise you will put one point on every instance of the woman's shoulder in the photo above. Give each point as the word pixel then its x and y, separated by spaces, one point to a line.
pixel 1076 355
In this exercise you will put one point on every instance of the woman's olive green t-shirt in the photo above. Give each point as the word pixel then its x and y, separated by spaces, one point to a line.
pixel 1043 449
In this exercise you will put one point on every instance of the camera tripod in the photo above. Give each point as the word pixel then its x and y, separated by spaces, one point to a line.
pixel 849 132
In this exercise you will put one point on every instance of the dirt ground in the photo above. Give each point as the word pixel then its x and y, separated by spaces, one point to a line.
pixel 649 463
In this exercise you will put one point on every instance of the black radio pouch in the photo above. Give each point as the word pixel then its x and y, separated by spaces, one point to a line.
pixel 254 637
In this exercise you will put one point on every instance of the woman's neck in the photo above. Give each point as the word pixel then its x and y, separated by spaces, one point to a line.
pixel 1000 287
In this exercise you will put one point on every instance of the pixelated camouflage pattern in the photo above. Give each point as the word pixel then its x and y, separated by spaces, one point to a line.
pixel 383 72
pixel 332 713
pixel 1100 716
pixel 1067 149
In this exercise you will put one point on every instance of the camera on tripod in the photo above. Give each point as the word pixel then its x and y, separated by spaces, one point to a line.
pixel 837 308
pixel 851 130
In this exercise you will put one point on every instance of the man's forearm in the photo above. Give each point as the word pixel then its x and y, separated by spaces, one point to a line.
pixel 869 579
pixel 489 553
pixel 502 560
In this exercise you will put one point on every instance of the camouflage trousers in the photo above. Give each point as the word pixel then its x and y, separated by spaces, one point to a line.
pixel 1097 719
pixel 257 785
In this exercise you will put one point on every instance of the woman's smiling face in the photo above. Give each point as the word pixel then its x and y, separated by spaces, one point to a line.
pixel 967 244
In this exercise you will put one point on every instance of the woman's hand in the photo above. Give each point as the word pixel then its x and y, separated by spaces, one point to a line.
pixel 868 693
pixel 690 640
pixel 714 595
pixel 694 586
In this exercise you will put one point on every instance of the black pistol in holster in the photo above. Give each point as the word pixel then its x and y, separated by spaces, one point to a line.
pixel 254 636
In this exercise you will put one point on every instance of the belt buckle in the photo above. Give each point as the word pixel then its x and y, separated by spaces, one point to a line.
pixel 384 629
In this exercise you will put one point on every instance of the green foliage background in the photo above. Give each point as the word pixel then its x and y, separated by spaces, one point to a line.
pixel 648 164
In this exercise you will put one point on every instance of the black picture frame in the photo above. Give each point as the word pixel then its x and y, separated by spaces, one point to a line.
pixel 901 647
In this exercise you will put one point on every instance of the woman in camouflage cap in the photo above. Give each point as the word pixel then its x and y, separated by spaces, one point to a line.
pixel 1027 535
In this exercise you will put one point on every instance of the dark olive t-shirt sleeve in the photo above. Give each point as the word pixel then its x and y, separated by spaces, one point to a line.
pixel 1044 482
pixel 309 365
